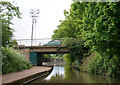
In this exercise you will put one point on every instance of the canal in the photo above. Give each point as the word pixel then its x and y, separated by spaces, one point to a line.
pixel 64 74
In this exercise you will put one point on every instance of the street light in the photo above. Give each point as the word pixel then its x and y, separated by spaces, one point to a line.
pixel 34 14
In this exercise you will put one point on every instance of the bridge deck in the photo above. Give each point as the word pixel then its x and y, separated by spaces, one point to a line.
pixel 47 49
pixel 41 46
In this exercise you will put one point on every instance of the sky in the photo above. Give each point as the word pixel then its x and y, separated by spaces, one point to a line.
pixel 51 11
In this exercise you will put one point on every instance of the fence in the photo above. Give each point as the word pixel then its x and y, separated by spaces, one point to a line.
pixel 39 42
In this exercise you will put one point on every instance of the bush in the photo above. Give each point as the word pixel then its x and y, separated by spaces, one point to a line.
pixel 95 64
pixel 68 59
pixel 13 61
pixel 105 65
pixel 77 49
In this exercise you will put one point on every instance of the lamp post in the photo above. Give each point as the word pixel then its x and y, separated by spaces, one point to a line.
pixel 34 14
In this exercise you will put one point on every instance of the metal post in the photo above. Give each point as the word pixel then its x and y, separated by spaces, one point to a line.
pixel 34 13
pixel 32 31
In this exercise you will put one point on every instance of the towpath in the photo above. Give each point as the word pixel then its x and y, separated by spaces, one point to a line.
pixel 26 75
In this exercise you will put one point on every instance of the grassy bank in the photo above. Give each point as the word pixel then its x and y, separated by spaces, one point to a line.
pixel 13 61
pixel 101 65
pixel 91 61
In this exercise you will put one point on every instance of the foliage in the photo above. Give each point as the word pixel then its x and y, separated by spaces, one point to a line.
pixel 105 65
pixel 7 11
pixel 100 31
pixel 58 56
pixel 46 56
pixel 49 56
pixel 97 23
pixel 13 61
pixel 77 48
pixel 66 28
pixel 101 27
pixel 69 59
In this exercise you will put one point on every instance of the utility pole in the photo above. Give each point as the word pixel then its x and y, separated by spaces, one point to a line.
pixel 34 14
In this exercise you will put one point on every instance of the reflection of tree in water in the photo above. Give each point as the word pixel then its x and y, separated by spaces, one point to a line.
pixel 73 76
pixel 57 76
pixel 68 72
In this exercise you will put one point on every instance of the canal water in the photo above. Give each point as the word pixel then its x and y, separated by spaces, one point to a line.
pixel 64 74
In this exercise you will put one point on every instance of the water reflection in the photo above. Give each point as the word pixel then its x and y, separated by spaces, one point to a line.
pixel 57 70
pixel 65 74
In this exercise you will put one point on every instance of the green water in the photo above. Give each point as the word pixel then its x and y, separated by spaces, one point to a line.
pixel 64 74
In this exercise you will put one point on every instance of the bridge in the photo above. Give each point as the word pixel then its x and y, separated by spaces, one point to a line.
pixel 34 52
pixel 45 49
pixel 38 46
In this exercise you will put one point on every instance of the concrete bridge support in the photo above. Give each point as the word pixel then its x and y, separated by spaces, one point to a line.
pixel 36 58
pixel 39 59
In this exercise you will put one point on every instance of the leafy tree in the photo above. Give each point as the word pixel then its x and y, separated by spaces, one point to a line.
pixel 66 28
pixel 100 31
pixel 12 60
pixel 97 23
pixel 101 27
pixel 7 11
pixel 70 28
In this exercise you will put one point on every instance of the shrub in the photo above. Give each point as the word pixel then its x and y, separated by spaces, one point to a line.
pixel 95 64
pixel 68 59
pixel 13 61
pixel 105 65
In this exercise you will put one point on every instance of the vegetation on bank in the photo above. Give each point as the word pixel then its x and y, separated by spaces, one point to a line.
pixel 97 25
pixel 105 65
pixel 13 61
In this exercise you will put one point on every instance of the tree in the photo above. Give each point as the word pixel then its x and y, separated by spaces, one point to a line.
pixel 97 23
pixel 101 27
pixel 66 28
pixel 70 28
pixel 7 11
